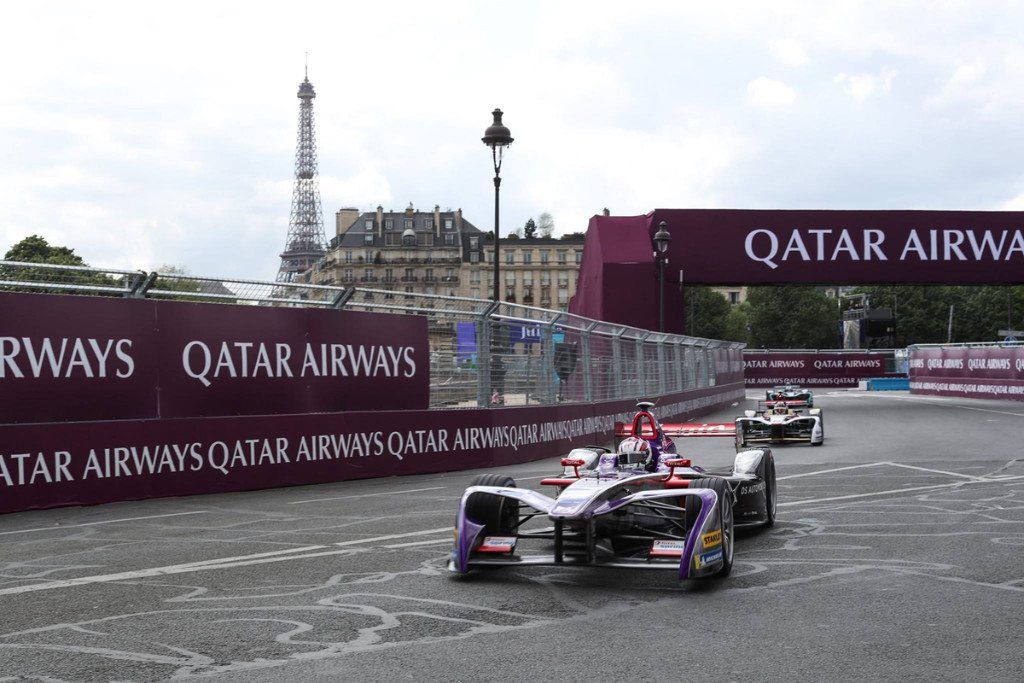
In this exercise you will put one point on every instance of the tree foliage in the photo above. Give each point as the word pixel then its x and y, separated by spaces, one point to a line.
pixel 530 229
pixel 792 317
pixel 35 249
pixel 706 312
pixel 546 224
pixel 922 312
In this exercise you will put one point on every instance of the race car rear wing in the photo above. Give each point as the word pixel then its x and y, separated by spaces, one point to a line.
pixel 622 429
pixel 789 403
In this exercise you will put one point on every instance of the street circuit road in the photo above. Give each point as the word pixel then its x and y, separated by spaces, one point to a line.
pixel 897 553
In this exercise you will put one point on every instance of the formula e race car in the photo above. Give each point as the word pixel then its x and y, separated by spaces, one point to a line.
pixel 640 506
pixel 790 395
pixel 777 423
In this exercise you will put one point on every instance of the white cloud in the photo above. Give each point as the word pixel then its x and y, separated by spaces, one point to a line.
pixel 789 52
pixel 768 92
pixel 862 86
pixel 1015 204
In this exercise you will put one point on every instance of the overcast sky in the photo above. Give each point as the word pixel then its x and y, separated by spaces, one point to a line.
pixel 143 136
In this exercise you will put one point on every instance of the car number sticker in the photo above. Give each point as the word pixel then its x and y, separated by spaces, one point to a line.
pixel 498 544
pixel 667 548
pixel 712 538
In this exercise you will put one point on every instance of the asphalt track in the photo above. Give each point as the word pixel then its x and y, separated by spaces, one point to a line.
pixel 899 553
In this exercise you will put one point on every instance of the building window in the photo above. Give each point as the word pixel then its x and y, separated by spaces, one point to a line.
pixel 368 273
pixel 579 257
pixel 348 257
pixel 449 224
pixel 449 239
pixel 389 224
pixel 563 279
pixel 408 224
pixel 528 277
pixel 527 257
pixel 368 224
pixel 408 274
pixel 561 258
pixel 429 274
pixel 545 278
pixel 369 255
pixel 563 296
pixel 734 298
pixel 510 258
pixel 368 238
pixel 474 257
pixel 425 239
pixel 510 294
pixel 475 292
pixel 349 274
pixel 449 272
pixel 474 277
pixel 389 275
pixel 430 290
pixel 389 239
pixel 490 257
pixel 429 223
pixel 474 242
pixel 451 292
pixel 545 256
pixel 510 278
pixel 409 240
pixel 390 294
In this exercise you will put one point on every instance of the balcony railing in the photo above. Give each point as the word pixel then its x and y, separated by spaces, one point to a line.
pixel 450 278
pixel 369 278
pixel 430 278
pixel 410 278
pixel 389 278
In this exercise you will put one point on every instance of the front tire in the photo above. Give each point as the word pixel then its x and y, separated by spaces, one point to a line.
pixel 498 514
pixel 725 516
pixel 770 498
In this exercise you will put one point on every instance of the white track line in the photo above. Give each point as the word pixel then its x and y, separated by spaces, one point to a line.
pixel 433 541
pixel 855 496
pixel 835 469
pixel 946 472
pixel 948 402
pixel 425 532
pixel 302 553
pixel 107 521
pixel 366 495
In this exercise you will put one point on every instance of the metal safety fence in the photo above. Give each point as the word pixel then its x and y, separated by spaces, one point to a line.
pixel 482 353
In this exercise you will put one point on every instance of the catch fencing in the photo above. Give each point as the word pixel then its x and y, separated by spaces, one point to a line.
pixel 482 353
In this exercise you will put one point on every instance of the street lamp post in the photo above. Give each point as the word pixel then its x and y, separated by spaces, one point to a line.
pixel 497 137
pixel 661 242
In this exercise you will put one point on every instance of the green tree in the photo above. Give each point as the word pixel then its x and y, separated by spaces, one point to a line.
pixel 706 312
pixel 737 324
pixel 792 317
pixel 35 249
pixel 922 312
pixel 530 229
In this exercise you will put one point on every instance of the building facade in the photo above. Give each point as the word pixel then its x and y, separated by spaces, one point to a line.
pixel 440 252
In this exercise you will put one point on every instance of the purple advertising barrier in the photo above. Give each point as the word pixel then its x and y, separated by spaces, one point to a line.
pixel 980 372
pixel 811 369
pixel 730 246
pixel 71 358
pixel 84 463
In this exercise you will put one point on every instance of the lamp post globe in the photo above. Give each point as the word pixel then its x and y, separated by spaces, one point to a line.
pixel 497 137
pixel 661 240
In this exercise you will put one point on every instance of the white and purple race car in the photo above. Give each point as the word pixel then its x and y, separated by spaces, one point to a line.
pixel 641 506
pixel 779 423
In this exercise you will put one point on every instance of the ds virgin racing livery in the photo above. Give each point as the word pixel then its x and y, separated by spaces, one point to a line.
pixel 641 507
pixel 777 423
pixel 791 395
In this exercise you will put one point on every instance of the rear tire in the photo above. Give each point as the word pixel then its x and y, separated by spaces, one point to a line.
pixel 498 514
pixel 721 487
pixel 770 499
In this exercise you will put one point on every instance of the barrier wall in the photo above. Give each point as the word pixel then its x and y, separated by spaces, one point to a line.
pixel 49 465
pixel 823 369
pixel 67 358
pixel 972 372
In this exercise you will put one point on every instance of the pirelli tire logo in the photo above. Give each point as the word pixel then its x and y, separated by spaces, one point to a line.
pixel 712 539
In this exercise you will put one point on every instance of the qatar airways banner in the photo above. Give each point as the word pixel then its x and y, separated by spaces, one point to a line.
pixel 727 246
pixel 824 369
pixel 982 372
pixel 83 463
pixel 72 358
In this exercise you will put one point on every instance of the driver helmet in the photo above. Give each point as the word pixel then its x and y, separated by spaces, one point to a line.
pixel 634 451
pixel 780 409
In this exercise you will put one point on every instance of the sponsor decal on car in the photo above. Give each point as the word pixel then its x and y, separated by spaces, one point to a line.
pixel 663 548
pixel 498 544
pixel 712 538
pixel 709 558
pixel 753 488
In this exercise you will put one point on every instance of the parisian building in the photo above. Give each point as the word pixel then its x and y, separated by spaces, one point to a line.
pixel 440 252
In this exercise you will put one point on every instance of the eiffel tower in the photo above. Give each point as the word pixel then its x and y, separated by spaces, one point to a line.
pixel 306 243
